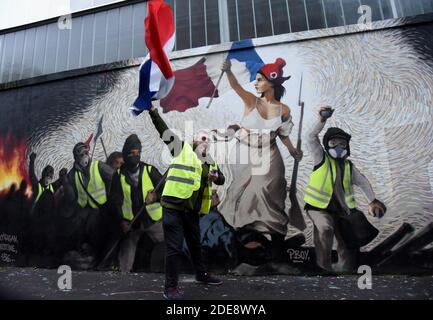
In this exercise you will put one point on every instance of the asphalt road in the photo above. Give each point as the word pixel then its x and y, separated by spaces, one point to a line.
pixel 29 283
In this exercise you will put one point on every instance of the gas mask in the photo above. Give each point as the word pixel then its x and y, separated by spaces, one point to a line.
pixel 338 148
pixel 337 152
pixel 83 161
pixel 81 155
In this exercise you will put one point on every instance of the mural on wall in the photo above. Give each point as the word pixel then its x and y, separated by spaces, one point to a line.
pixel 375 86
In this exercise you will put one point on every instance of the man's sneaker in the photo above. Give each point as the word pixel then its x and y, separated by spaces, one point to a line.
pixel 173 293
pixel 207 278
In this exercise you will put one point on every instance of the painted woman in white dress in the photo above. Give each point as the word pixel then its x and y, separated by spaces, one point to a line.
pixel 254 203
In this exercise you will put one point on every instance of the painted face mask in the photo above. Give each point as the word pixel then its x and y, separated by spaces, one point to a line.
pixel 84 160
pixel 133 160
pixel 337 152
pixel 47 180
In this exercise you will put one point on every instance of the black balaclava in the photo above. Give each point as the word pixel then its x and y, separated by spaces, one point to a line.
pixel 47 175
pixel 336 133
pixel 81 158
pixel 131 161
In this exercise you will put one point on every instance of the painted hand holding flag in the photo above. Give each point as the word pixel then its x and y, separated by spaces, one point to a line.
pixel 203 79
pixel 156 76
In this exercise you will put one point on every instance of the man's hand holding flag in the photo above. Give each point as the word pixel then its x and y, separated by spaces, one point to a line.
pixel 156 75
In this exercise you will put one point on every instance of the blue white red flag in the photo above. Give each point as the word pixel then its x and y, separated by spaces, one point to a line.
pixel 156 75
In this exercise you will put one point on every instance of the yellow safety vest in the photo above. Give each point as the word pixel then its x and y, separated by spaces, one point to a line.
pixel 95 187
pixel 154 210
pixel 42 190
pixel 318 192
pixel 184 177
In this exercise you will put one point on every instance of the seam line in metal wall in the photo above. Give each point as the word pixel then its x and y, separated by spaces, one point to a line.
pixel 57 50
pixel 272 18
pixel 306 15
pixel 24 51
pixel 342 12
pixel 190 23
pixel 324 14
pixel 81 44
pixel 106 37
pixel 237 20
pixel 205 22
pixel 288 16
pixel 93 39
pixel 254 18
pixel 382 16
pixel 118 34
pixel 69 48
pixel 133 31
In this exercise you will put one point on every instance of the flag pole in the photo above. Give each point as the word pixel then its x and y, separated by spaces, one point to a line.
pixel 93 151
pixel 103 147
pixel 216 88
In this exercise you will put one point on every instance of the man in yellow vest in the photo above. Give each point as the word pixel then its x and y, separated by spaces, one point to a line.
pixel 133 184
pixel 43 210
pixel 329 194
pixel 87 192
pixel 187 194
pixel 40 187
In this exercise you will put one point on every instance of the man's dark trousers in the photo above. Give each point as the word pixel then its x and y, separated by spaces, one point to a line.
pixel 177 225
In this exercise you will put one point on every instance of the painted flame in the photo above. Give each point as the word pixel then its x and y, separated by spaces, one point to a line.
pixel 13 164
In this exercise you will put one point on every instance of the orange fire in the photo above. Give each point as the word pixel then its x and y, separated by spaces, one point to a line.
pixel 13 164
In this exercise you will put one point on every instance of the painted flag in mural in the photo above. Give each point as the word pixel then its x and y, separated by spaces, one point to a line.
pixel 244 51
pixel 190 84
pixel 199 80
pixel 88 140
pixel 98 130
pixel 156 77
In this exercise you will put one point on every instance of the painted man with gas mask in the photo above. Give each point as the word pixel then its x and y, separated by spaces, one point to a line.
pixel 330 200
pixel 133 185
pixel 87 192
pixel 44 218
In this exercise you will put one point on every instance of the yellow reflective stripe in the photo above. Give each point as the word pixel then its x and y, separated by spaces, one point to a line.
pixel 98 189
pixel 127 204
pixel 182 167
pixel 82 196
pixel 180 179
pixel 326 173
pixel 39 192
pixel 96 186
pixel 318 195
pixel 154 210
pixel 319 191
pixel 316 198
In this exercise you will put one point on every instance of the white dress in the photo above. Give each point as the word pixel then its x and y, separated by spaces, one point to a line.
pixel 255 191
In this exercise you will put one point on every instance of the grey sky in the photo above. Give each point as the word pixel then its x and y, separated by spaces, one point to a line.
pixel 19 12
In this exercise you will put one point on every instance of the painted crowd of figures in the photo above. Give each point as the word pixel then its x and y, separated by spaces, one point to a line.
pixel 80 216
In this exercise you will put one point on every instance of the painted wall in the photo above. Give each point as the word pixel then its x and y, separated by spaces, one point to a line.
pixel 380 84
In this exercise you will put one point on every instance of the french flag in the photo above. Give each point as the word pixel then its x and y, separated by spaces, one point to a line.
pixel 156 76
pixel 199 80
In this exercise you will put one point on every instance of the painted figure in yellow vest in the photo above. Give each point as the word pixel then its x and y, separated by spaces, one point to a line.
pixel 187 194
pixel 88 186
pixel 46 183
pixel 44 215
pixel 329 194
pixel 133 184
